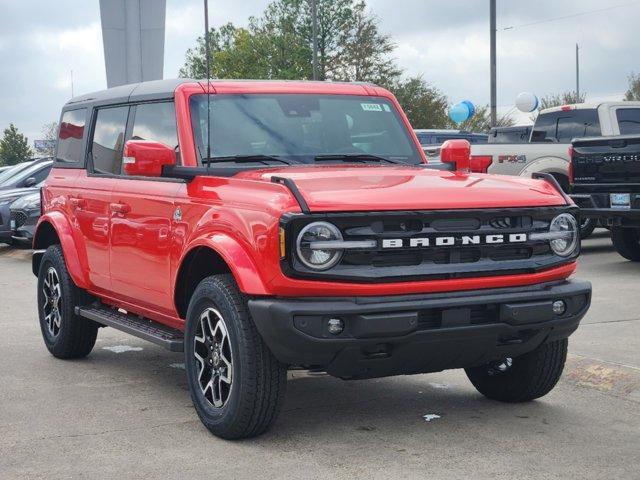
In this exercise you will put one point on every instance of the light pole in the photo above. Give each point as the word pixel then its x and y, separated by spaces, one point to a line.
pixel 492 60
pixel 314 29
pixel 577 73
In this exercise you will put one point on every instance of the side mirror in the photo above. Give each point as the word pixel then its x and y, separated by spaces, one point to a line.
pixel 30 182
pixel 457 152
pixel 146 158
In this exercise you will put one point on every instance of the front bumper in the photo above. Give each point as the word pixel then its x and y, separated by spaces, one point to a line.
pixel 26 225
pixel 597 206
pixel 418 333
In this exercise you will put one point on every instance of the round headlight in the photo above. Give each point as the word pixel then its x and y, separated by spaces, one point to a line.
pixel 563 234
pixel 309 245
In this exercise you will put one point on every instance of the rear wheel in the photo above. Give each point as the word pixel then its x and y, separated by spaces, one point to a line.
pixel 65 334
pixel 627 242
pixel 523 378
pixel 236 384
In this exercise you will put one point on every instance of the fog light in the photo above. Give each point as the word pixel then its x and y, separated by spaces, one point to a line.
pixel 335 326
pixel 559 307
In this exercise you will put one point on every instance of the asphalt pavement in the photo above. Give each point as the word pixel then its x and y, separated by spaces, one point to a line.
pixel 125 412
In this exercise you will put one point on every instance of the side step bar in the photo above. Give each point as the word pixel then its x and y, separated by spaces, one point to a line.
pixel 140 327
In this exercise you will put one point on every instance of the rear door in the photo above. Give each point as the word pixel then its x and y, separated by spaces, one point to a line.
pixel 93 198
pixel 142 212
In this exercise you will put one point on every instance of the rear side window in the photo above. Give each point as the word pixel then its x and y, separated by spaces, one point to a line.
pixel 70 135
pixel 561 127
pixel 157 122
pixel 108 140
pixel 628 121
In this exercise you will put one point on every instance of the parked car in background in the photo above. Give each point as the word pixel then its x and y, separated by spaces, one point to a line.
pixel 24 215
pixel 515 134
pixel 5 167
pixel 548 148
pixel 7 197
pixel 432 139
pixel 26 175
pixel 606 186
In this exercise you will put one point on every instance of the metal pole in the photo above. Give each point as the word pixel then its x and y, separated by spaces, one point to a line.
pixel 494 95
pixel 207 52
pixel 314 28
pixel 577 73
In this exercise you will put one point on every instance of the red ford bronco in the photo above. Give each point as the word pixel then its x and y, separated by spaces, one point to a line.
pixel 260 226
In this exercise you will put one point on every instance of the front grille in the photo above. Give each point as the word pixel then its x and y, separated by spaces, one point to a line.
pixel 460 259
pixel 19 217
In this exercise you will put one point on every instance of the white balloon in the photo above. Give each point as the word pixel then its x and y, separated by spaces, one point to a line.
pixel 527 102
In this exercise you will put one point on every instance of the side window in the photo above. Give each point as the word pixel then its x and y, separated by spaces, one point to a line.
pixel 108 140
pixel 41 175
pixel 156 121
pixel 582 123
pixel 70 135
pixel 628 120
pixel 565 125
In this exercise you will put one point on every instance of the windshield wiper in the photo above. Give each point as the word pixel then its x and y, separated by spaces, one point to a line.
pixel 246 159
pixel 357 157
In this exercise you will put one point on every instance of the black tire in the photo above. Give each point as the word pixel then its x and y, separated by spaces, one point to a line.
pixel 70 336
pixel 530 376
pixel 255 394
pixel 626 241
pixel 587 226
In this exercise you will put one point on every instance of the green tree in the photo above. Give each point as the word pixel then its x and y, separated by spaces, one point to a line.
pixel 481 121
pixel 425 105
pixel 14 147
pixel 278 45
pixel 633 93
pixel 565 98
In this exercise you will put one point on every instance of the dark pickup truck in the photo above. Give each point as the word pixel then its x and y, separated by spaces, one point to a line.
pixel 606 186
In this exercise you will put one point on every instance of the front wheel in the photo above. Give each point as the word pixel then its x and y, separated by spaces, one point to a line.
pixel 236 384
pixel 523 378
pixel 626 241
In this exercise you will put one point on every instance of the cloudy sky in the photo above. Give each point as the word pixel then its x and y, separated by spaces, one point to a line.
pixel 447 41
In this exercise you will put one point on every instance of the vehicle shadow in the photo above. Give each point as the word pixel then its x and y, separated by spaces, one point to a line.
pixel 318 405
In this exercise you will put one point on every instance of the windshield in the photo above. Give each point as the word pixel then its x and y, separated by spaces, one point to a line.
pixel 300 128
pixel 12 171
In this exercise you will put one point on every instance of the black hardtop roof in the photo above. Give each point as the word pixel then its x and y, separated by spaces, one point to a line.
pixel 148 91
pixel 134 92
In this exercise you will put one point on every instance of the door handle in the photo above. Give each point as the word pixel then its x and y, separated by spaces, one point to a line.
pixel 78 203
pixel 120 208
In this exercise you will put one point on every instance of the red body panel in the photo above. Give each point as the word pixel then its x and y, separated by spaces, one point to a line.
pixel 124 242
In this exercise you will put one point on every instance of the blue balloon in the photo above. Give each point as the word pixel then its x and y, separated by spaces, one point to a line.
pixel 459 112
pixel 470 106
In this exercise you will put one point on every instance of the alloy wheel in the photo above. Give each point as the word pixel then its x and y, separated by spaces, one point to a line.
pixel 52 297
pixel 213 357
pixel 499 367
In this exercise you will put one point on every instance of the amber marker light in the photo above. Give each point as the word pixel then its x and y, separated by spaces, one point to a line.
pixel 283 245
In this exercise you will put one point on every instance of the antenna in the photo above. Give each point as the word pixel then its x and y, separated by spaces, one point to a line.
pixel 207 53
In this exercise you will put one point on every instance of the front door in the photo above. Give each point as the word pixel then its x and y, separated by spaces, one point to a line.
pixel 142 213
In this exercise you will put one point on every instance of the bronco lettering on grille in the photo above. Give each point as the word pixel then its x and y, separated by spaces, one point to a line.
pixel 450 241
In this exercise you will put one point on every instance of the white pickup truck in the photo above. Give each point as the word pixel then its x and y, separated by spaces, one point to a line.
pixel 551 135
